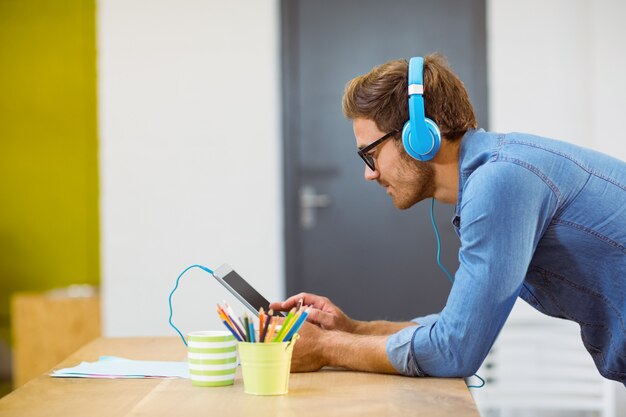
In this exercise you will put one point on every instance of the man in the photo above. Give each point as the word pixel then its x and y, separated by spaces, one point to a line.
pixel 537 218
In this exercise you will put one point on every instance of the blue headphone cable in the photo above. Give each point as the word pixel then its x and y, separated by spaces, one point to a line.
pixel 204 268
pixel 443 268
pixel 432 220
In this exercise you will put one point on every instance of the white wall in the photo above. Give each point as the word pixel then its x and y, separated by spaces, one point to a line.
pixel 556 68
pixel 608 68
pixel 189 156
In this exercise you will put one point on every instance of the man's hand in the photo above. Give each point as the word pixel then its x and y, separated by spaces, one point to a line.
pixel 317 348
pixel 324 313
pixel 308 353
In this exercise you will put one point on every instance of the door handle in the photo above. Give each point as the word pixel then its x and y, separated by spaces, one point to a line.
pixel 309 201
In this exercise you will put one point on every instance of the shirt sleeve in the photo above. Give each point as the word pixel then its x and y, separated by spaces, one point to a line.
pixel 399 347
pixel 505 209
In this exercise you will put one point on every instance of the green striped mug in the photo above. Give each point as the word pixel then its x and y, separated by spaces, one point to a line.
pixel 212 358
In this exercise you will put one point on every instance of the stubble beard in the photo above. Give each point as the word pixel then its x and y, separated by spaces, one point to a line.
pixel 415 182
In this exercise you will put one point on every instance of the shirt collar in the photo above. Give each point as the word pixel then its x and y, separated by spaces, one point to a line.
pixel 474 151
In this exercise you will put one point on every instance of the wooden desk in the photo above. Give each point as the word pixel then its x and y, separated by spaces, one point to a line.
pixel 320 394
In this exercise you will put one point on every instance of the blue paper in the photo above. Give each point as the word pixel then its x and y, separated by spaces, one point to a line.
pixel 115 367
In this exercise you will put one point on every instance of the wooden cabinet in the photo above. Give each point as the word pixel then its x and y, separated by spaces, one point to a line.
pixel 49 327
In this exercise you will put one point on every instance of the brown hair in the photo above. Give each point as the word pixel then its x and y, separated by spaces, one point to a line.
pixel 381 95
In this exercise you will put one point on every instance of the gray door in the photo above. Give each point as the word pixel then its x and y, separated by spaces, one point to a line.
pixel 344 238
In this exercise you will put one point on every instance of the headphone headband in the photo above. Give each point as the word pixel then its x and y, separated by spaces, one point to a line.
pixel 416 98
pixel 416 72
pixel 420 136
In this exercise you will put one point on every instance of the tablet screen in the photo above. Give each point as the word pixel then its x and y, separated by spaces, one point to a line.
pixel 246 291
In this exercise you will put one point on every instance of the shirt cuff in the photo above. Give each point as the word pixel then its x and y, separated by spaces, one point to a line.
pixel 426 320
pixel 399 346
pixel 400 353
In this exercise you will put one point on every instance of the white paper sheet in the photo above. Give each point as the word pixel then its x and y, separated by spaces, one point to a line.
pixel 115 367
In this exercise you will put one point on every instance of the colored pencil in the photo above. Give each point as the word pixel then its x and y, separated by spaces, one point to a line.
pixel 229 309
pixel 287 326
pixel 222 312
pixel 246 326
pixel 222 316
pixel 261 318
pixel 231 330
pixel 266 326
pixel 271 330
pixel 296 326
pixel 231 315
pixel 251 324
pixel 239 329
pixel 283 329
pixel 230 321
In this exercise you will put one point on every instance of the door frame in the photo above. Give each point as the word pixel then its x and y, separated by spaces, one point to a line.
pixel 290 146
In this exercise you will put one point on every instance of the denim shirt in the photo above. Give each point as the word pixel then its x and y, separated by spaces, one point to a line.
pixel 540 219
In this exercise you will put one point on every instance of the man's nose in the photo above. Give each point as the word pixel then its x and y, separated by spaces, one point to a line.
pixel 369 174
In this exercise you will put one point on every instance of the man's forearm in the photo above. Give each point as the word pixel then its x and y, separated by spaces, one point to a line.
pixel 357 352
pixel 380 327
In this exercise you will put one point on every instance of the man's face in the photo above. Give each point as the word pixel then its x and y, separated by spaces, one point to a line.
pixel 406 180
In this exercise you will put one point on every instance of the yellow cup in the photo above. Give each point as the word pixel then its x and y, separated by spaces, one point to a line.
pixel 265 366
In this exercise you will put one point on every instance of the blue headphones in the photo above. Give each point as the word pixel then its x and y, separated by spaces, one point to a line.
pixel 420 136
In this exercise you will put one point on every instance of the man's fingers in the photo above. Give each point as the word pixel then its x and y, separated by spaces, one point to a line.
pixel 286 305
pixel 316 315
pixel 295 299
pixel 307 299
pixel 321 318
pixel 277 306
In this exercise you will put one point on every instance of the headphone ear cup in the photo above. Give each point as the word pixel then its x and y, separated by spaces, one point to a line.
pixel 406 141
pixel 435 133
pixel 422 151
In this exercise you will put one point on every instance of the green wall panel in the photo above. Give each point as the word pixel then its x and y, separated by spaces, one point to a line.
pixel 49 234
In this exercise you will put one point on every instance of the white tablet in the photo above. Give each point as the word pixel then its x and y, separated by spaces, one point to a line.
pixel 243 291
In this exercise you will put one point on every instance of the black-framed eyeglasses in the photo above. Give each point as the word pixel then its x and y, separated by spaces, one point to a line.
pixel 364 152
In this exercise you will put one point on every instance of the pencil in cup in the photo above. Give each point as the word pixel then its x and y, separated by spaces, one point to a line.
pixel 269 330
pixel 285 325
pixel 296 326
pixel 230 324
